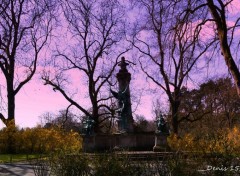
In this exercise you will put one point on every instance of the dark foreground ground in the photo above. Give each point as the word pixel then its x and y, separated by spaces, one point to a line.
pixel 16 169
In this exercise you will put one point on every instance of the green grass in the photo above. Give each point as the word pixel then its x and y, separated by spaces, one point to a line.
pixel 4 158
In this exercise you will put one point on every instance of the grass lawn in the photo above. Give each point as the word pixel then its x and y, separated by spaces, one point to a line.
pixel 15 158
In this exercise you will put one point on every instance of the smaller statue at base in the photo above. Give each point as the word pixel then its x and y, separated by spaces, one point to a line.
pixel 162 132
pixel 88 125
pixel 162 126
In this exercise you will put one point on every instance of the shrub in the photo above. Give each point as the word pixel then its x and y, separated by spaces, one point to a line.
pixel 39 140
pixel 62 164
pixel 222 141
pixel 9 139
pixel 112 164
pixel 218 149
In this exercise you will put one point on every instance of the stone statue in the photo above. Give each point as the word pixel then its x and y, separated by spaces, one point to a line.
pixel 162 126
pixel 88 125
pixel 122 98
pixel 124 117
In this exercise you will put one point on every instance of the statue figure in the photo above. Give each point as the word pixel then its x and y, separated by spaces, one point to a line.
pixel 162 125
pixel 88 125
pixel 122 98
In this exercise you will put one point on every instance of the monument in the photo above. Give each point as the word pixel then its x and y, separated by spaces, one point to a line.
pixel 124 111
pixel 161 134
pixel 125 137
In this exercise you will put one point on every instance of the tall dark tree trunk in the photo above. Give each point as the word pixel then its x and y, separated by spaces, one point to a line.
pixel 95 118
pixel 10 121
pixel 174 111
pixel 219 16
pixel 11 105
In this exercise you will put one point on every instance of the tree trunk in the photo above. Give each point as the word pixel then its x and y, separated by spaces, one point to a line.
pixel 11 103
pixel 11 108
pixel 10 121
pixel 229 61
pixel 174 109
pixel 96 119
pixel 219 16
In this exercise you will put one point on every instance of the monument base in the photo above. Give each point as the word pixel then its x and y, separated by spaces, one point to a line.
pixel 125 126
pixel 121 141
pixel 161 144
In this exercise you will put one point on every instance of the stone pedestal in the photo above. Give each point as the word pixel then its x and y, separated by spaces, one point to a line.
pixel 121 141
pixel 161 144
pixel 124 125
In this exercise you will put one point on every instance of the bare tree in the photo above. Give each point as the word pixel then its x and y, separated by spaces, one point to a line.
pixel 64 119
pixel 96 28
pixel 225 28
pixel 169 40
pixel 24 30
pixel 226 34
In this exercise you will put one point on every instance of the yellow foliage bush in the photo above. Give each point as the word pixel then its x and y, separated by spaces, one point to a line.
pixel 222 141
pixel 8 138
pixel 40 140
pixel 185 143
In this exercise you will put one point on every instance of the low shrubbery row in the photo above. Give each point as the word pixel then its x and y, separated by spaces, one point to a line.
pixel 177 164
pixel 99 165
pixel 223 142
pixel 38 140
pixel 215 152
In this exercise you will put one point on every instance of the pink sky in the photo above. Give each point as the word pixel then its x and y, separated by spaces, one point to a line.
pixel 32 101
pixel 35 98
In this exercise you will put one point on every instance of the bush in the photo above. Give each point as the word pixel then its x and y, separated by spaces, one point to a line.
pixel 9 139
pixel 112 164
pixel 69 165
pixel 39 140
pixel 217 149
pixel 223 141
pixel 63 164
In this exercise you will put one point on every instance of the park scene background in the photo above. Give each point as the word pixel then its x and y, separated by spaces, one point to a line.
pixel 59 61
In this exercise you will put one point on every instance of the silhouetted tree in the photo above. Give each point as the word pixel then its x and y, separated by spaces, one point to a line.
pixel 64 119
pixel 225 28
pixel 214 105
pixel 25 27
pixel 169 40
pixel 96 28
pixel 143 125
pixel 225 35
